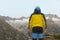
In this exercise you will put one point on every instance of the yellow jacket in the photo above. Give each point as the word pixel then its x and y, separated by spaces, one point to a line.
pixel 37 20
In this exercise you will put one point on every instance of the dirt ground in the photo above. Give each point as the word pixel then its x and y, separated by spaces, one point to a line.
pixel 50 38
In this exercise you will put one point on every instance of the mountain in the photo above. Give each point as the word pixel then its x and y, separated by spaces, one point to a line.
pixel 15 28
pixel 21 24
pixel 9 33
pixel 5 18
pixel 51 16
pixel 52 27
pixel 54 18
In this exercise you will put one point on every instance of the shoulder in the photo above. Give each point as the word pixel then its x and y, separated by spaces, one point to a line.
pixel 32 14
pixel 42 14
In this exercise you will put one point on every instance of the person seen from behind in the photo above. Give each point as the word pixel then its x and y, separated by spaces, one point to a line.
pixel 37 24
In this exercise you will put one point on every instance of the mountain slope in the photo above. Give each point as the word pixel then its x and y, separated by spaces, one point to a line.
pixel 54 18
pixel 52 27
pixel 9 33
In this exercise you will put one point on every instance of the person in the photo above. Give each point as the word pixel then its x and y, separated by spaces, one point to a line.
pixel 37 24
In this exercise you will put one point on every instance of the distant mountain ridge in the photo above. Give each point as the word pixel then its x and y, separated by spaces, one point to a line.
pixel 21 23
pixel 21 18
pixel 54 18
pixel 52 15
pixel 5 18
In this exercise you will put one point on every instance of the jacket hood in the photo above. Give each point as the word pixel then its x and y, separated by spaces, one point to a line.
pixel 37 10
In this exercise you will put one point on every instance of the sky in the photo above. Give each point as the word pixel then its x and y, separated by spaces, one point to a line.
pixel 19 8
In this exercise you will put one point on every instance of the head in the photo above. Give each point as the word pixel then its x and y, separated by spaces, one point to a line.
pixel 37 10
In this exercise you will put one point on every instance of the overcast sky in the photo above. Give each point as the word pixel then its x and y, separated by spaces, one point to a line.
pixel 18 8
